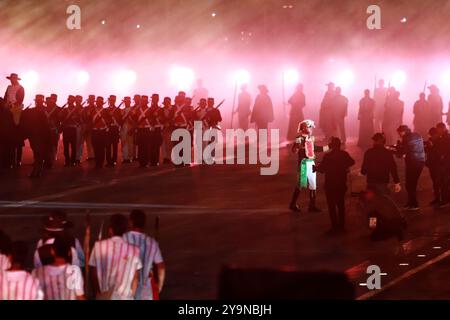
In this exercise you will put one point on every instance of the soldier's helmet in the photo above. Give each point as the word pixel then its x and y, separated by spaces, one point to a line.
pixel 306 124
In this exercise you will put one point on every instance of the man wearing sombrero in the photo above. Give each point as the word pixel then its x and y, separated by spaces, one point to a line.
pixel 305 147
pixel 15 93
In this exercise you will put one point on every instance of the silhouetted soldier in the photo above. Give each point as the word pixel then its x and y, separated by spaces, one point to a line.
pixel 167 115
pixel 444 148
pixel 326 112
pixel 412 149
pixel 379 96
pixel 155 129
pixel 366 120
pixel 335 165
pixel 436 105
pixel 434 164
pixel 87 137
pixel 114 119
pixel 53 116
pixel 262 113
pixel 421 112
pixel 99 132
pixel 70 119
pixel 36 128
pixel 126 135
pixel 142 121
pixel 80 128
pixel 393 116
pixel 244 107
pixel 15 93
pixel 340 110
pixel 297 102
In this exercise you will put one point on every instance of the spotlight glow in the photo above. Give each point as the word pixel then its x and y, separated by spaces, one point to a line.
pixel 291 76
pixel 30 79
pixel 82 77
pixel 446 78
pixel 241 76
pixel 181 77
pixel 398 78
pixel 345 78
pixel 124 80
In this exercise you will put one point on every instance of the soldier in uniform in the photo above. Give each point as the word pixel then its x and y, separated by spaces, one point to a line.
pixel 136 106
pixel 87 137
pixel 436 106
pixel 114 119
pixel 70 121
pixel 81 127
pixel 421 111
pixel 142 123
pixel 305 147
pixel 298 103
pixel 393 116
pixel 167 115
pixel 37 129
pixel 155 138
pixel 379 96
pixel 53 117
pixel 340 110
pixel 326 112
pixel 126 133
pixel 99 132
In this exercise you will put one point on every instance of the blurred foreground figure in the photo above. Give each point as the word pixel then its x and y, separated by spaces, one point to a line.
pixel 335 165
pixel 379 96
pixel 115 264
pixel 298 103
pixel 15 282
pixel 305 147
pixel 153 272
pixel 366 120
pixel 326 122
pixel 421 112
pixel 244 107
pixel 262 113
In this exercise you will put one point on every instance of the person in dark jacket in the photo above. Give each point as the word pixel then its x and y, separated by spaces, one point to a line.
pixel 434 163
pixel 36 128
pixel 412 149
pixel 379 166
pixel 262 113
pixel 443 143
pixel 335 165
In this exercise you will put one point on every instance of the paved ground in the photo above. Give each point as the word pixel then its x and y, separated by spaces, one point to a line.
pixel 216 215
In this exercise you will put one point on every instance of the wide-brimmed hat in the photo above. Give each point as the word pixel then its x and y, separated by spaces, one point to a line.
pixel 13 75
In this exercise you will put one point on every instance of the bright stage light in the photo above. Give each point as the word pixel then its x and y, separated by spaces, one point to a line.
pixel 345 78
pixel 291 76
pixel 241 77
pixel 398 78
pixel 181 77
pixel 124 80
pixel 30 79
pixel 82 77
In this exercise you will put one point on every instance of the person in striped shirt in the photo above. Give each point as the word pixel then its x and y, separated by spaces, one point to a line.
pixel 150 255
pixel 115 264
pixel 5 246
pixel 61 280
pixel 16 283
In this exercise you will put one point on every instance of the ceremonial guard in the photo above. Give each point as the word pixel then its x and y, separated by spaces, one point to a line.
pixel 305 147
pixel 126 132
pixel 155 130
pixel 142 125
pixel 436 106
pixel 298 103
pixel 167 116
pixel 393 116
pixel 422 117
pixel 326 122
pixel 379 96
pixel 70 121
pixel 87 136
pixel 181 116
pixel 81 127
pixel 53 116
pixel 137 104
pixel 366 120
pixel 244 107
pixel 99 132
pixel 262 113
pixel 114 119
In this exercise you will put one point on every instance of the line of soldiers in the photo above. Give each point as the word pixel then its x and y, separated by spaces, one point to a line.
pixel 143 129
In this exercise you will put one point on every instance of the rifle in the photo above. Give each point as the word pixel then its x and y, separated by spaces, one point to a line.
pixel 425 87
pixel 218 106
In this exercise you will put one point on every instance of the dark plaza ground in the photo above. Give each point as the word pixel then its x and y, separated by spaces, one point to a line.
pixel 230 214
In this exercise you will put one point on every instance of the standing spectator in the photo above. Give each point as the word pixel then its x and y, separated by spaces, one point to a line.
pixel 153 270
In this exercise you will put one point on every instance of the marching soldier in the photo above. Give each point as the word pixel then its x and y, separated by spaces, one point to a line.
pixel 126 133
pixel 167 116
pixel 99 132
pixel 70 121
pixel 114 117
pixel 155 138
pixel 142 124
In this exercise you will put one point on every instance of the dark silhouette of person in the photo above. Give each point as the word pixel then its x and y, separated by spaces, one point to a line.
pixel 444 154
pixel 326 112
pixel 379 95
pixel 262 113
pixel 297 102
pixel 335 165
pixel 422 117
pixel 340 110
pixel 436 106
pixel 244 107
pixel 393 116
pixel 435 165
pixel 366 114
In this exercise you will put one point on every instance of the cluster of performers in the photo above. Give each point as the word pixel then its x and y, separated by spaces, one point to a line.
pixel 142 126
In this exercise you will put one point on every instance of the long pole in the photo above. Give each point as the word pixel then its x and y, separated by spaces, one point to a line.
pixel 234 104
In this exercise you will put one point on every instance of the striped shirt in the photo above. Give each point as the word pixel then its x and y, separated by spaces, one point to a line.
pixel 78 258
pixel 117 263
pixel 19 285
pixel 150 254
pixel 60 282
pixel 4 262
